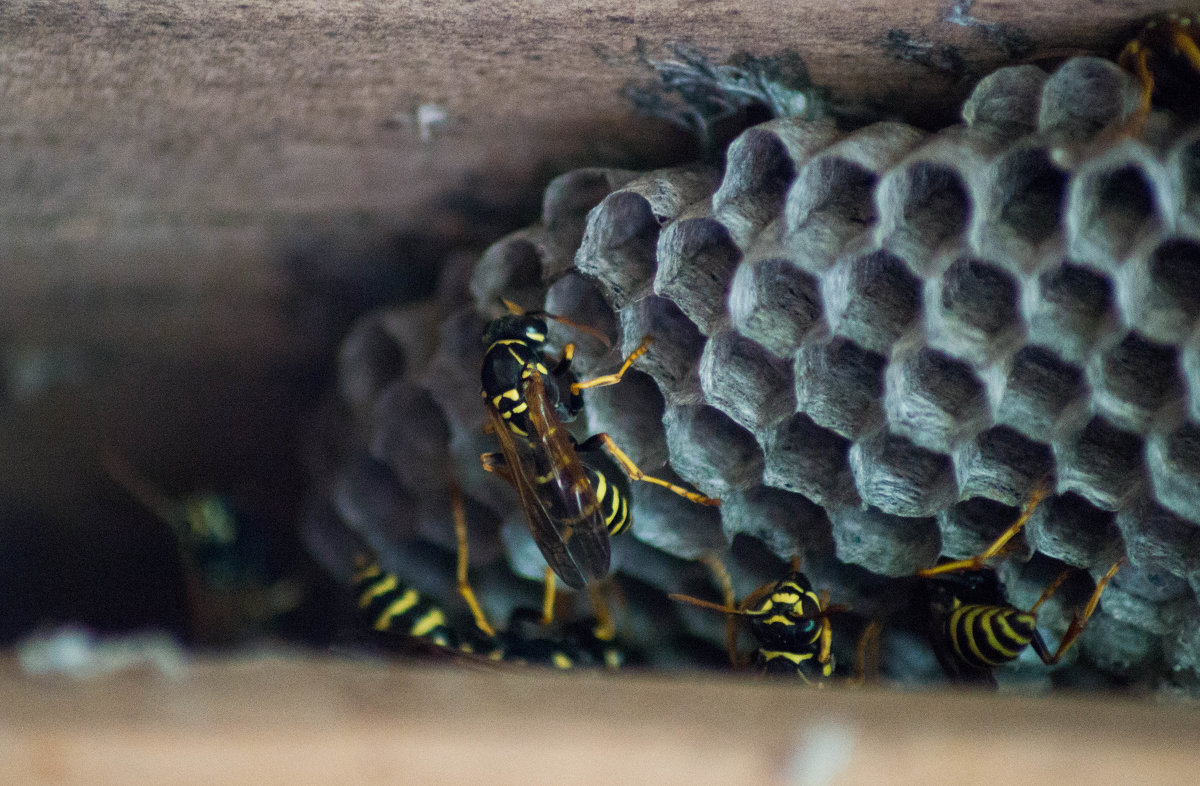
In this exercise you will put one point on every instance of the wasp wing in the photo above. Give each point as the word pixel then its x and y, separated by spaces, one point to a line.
pixel 559 502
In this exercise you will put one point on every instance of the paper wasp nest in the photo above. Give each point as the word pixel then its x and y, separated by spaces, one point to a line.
pixel 881 339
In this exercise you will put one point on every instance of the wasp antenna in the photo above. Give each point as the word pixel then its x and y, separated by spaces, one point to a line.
pixel 514 308
pixel 706 604
pixel 588 329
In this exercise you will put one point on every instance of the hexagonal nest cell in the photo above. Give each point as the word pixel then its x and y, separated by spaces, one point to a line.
pixel 876 347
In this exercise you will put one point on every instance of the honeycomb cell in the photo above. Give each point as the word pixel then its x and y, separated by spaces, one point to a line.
pixel 882 543
pixel 970 526
pixel 452 375
pixel 1184 166
pixel 670 523
pixel 412 437
pixel 789 524
pixel 712 452
pixel 933 399
pixel 1133 380
pixel 1153 585
pixel 760 166
pixel 1158 618
pixel 511 268
pixel 631 413
pixel 1157 539
pixel 1072 308
pixel 1069 528
pixel 1115 201
pixel 578 299
pixel 1173 458
pixel 1118 648
pixel 745 381
pixel 1101 463
pixel 368 359
pixel 372 503
pixel 1021 217
pixel 1084 96
pixel 872 299
pixel 1159 291
pixel 832 201
pixel 972 310
pixel 673 359
pixel 926 202
pixel 899 477
pixel 618 246
pixel 696 262
pixel 804 458
pixel 1002 465
pixel 840 386
pixel 565 206
pixel 1190 363
pixel 775 303
pixel 1007 101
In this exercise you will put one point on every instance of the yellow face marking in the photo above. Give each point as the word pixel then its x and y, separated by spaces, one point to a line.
pixel 561 661
pixel 396 608
pixel 542 369
pixel 779 619
pixel 533 335
pixel 382 587
pixel 433 619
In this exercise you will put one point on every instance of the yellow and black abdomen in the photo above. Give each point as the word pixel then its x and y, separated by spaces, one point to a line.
pixel 611 487
pixel 985 636
pixel 388 605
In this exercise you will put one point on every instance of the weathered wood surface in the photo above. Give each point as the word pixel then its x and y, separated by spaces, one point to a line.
pixel 318 721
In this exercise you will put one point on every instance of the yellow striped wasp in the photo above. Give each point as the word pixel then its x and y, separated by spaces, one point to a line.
pixel 574 495
pixel 1165 60
pixel 788 620
pixel 972 626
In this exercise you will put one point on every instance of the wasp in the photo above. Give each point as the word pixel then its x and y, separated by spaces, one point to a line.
pixel 972 626
pixel 574 495
pixel 788 620
pixel 397 614
pixel 1165 60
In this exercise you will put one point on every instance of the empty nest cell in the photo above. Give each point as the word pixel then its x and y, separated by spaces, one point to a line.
pixel 1003 465
pixel 972 309
pixel 932 207
pixel 511 268
pixel 788 523
pixel 578 299
pixel 631 413
pixel 1101 463
pixel 711 451
pixel 970 526
pixel 745 381
pixel 1069 528
pixel 1158 539
pixel 1160 291
pixel 901 478
pixel 671 523
pixel 1133 380
pixel 673 359
pixel 840 386
pixel 1072 308
pixel 1173 458
pixel 804 458
pixel 775 303
pixel 565 206
pixel 1042 393
pixel 1185 170
pixel 1113 201
pixel 697 258
pixel 884 543
pixel 933 399
pixel 1025 206
pixel 872 299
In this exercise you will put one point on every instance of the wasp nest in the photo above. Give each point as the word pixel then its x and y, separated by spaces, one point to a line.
pixel 877 342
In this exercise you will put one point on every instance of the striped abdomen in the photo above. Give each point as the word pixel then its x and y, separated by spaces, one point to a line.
pixel 388 605
pixel 611 486
pixel 985 636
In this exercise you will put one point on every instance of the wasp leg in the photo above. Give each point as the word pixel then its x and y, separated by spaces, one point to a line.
pixel 866 661
pixel 564 363
pixel 732 623
pixel 1135 57
pixel 549 596
pixel 1078 623
pixel 980 560
pixel 612 379
pixel 635 473
pixel 464 585
pixel 605 629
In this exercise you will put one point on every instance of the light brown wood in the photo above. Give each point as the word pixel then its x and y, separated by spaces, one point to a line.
pixel 281 720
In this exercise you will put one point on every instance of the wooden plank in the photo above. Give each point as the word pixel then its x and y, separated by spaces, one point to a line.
pixel 295 721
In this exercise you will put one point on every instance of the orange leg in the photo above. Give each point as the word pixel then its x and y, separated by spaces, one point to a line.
pixel 979 561
pixel 1078 623
pixel 635 473
pixel 464 585
pixel 612 379
pixel 549 596
pixel 732 624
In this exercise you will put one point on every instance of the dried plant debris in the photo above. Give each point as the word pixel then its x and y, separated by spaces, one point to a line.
pixel 696 94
